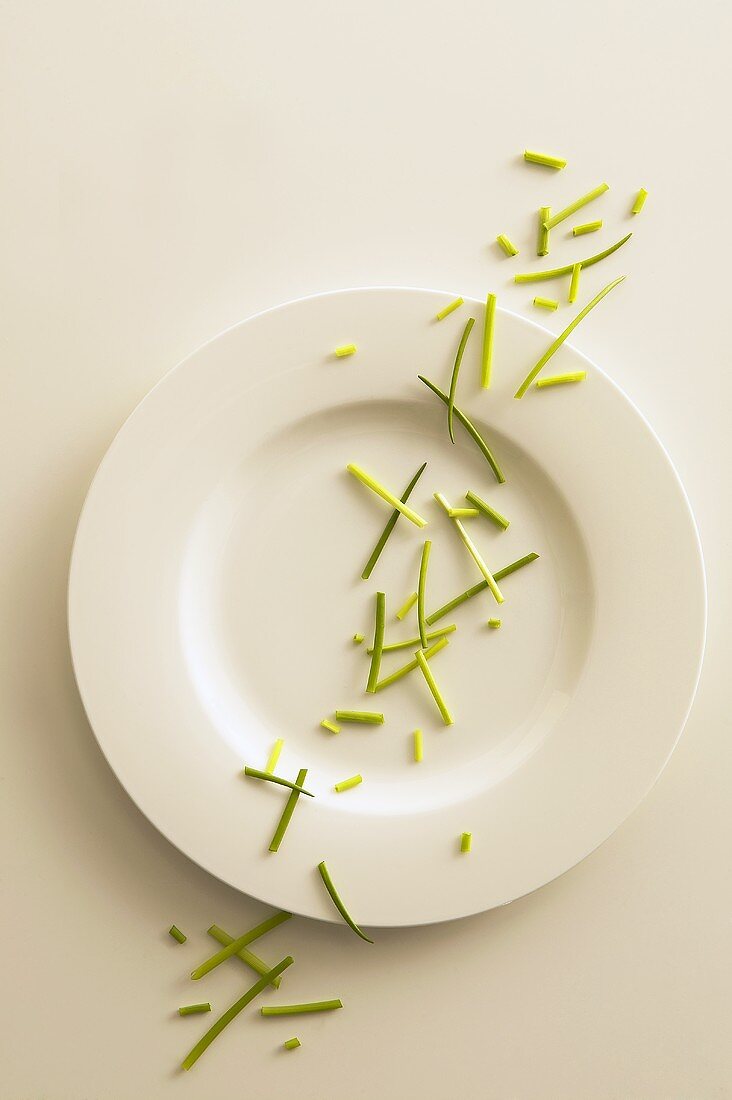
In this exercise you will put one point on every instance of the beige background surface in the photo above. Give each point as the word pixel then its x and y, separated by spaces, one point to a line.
pixel 169 168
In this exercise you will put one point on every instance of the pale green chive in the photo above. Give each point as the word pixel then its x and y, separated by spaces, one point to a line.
pixel 287 813
pixel 328 725
pixel 586 227
pixel 573 207
pixel 432 685
pixel 448 309
pixel 424 561
pixel 407 605
pixel 545 159
pixel 347 784
pixel 561 379
pixel 489 325
pixel 640 200
pixel 418 746
pixel 574 283
pixel 494 624
pixel 479 587
pixel 274 755
pixel 411 665
pixel 390 524
pixel 477 558
pixel 380 491
pixel 410 643
pixel 463 513
pixel 336 899
pixel 378 645
pixel 346 349
pixel 508 246
pixel 368 717
pixel 485 508
pixel 466 841
pixel 454 377
pixel 469 427
pixel 546 303
pixel 558 272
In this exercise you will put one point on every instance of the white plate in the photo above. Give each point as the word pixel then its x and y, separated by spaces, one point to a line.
pixel 215 588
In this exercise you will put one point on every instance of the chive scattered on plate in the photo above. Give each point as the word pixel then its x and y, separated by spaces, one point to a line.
pixel 561 379
pixel 274 755
pixel 558 272
pixel 248 957
pixel 469 427
pixel 485 508
pixel 424 561
pixel 448 309
pixel 235 945
pixel 292 1044
pixel 380 491
pixel 463 513
pixel 336 899
pixel 390 524
pixel 328 725
pixel 299 1010
pixel 454 377
pixel 494 624
pixel 410 643
pixel 369 717
pixel 508 246
pixel 573 207
pixel 475 554
pixel 432 685
pixel 411 665
pixel 479 587
pixel 378 644
pixel 586 227
pixel 574 283
pixel 542 244
pixel 347 784
pixel 345 349
pixel 176 933
pixel 190 1010
pixel 489 325
pixel 418 746
pixel 640 200
pixel 545 159
pixel 407 605
pixel 255 773
pixel 466 841
pixel 546 303
pixel 358 638
pixel 287 813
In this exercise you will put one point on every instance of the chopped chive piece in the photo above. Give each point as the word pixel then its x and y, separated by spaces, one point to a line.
pixel 176 933
pixel 378 643
pixel 576 205
pixel 563 336
pixel 407 605
pixel 443 502
pixel 463 513
pixel 336 899
pixel 345 349
pixel 370 717
pixel 287 813
pixel 561 379
pixel 234 1011
pixel 189 1010
pixel 476 556
pixel 420 591
pixel 418 747
pixel 489 324
pixel 454 377
pixel 274 755
pixel 235 945
pixel 410 667
pixel 508 246
pixel 479 587
pixel 254 773
pixel 432 685
pixel 545 159
pixel 248 957
pixel 640 200
pixel 410 643
pixel 557 272
pixel 574 283
pixel 346 784
pixel 469 427
pixel 380 491
pixel 309 1006
pixel 291 1044
pixel 486 509
pixel 494 624
pixel 546 303
pixel 586 227
pixel 358 638
pixel 447 310
pixel 328 725
pixel 466 841
pixel 390 524
pixel 542 244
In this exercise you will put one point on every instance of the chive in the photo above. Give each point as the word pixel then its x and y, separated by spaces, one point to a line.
pixel 407 605
pixel 336 899
pixel 542 244
pixel 447 310
pixel 369 717
pixel 410 643
pixel 479 587
pixel 254 773
pixel 466 841
pixel 475 555
pixel 574 283
pixel 291 1044
pixel 358 638
pixel 190 1010
pixel 309 1006
pixel 390 524
pixel 274 755
pixel 545 159
pixel 176 933
pixel 494 624
pixel 463 513
pixel 287 813
pixel 508 247
pixel 432 685
pixel 411 665
pixel 346 784
pixel 420 591
pixel 454 377
pixel 328 725
pixel 486 509
pixel 576 205
pixel 469 427
pixel 380 491
pixel 557 272
pixel 443 502
pixel 418 747
pixel 345 349
pixel 378 643
pixel 489 324
pixel 563 336
pixel 546 303
pixel 561 379
pixel 248 957
pixel 640 200
pixel 586 227
pixel 234 946
pixel 234 1011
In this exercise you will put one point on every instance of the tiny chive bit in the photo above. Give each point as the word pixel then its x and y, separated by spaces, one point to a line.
pixel 574 283
pixel 255 773
pixel 389 526
pixel 380 491
pixel 470 428
pixel 561 379
pixel 411 665
pixel 331 726
pixel 345 349
pixel 489 324
pixel 557 272
pixel 545 159
pixel 432 685
pixel 410 643
pixel 407 605
pixel 274 755
pixel 287 812
pixel 466 841
pixel 508 247
pixel 370 717
pixel 298 1010
pixel 346 784
pixel 447 310
pixel 639 201
pixel 358 638
pixel 418 747
pixel 573 207
pixel 292 1044
pixel 176 933
pixel 494 624
pixel 587 227
pixel 546 303
pixel 486 509
pixel 340 906
pixel 190 1010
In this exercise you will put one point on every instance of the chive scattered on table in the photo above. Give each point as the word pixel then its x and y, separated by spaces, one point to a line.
pixel 448 309
pixel 424 561
pixel 466 841
pixel 418 746
pixel 176 933
pixel 235 945
pixel 586 227
pixel 292 1044
pixel 411 665
pixel 407 605
pixel 191 1010
pixel 508 246
pixel 546 303
pixel 369 717
pixel 479 587
pixel 247 957
pixel 358 638
pixel 469 427
pixel 640 200
pixel 274 755
pixel 255 773
pixel 545 159
pixel 574 283
pixel 345 349
pixel 542 244
pixel 558 272
pixel 486 509
pixel 410 643
pixel 287 813
pixel 328 725
pixel 378 645
pixel 454 376
pixel 432 685
pixel 494 624
pixel 380 491
pixel 489 324
pixel 573 207
pixel 347 784
pixel 561 379
pixel 336 899
pixel 390 524
pixel 308 1006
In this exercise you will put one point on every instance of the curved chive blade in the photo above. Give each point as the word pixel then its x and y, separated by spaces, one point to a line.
pixel 308 1006
pixel 190 1010
pixel 346 349
pixel 328 725
pixel 410 643
pixel 586 227
pixel 274 755
pixel 545 159
pixel 380 491
pixel 563 336
pixel 369 717
pixel 408 604
pixel 418 747
pixel 234 1011
pixel 486 509
pixel 347 784
pixel 432 685
pixel 454 377
pixel 410 667
pixel 561 379
pixel 466 842
pixel 542 244
pixel 254 773
pixel 477 558
pixel 640 200
pixel 291 1044
pixel 235 946
pixel 336 899
pixel 576 205
pixel 469 427
pixel 574 283
pixel 447 310
pixel 494 624
pixel 508 246
pixel 489 324
pixel 390 524
pixel 287 812
pixel 557 272
pixel 248 957
pixel 176 933
pixel 420 592
pixel 378 643
pixel 480 587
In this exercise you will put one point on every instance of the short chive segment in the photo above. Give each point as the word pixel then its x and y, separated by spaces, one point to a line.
pixel 586 227
pixel 542 244
pixel 367 717
pixel 299 1010
pixel 292 1044
pixel 546 303
pixel 561 379
pixel 235 945
pixel 410 643
pixel 640 200
pixel 176 933
pixel 331 726
pixel 507 245
pixel 463 513
pixel 454 377
pixel 287 813
pixel 411 665
pixel 274 755
pixel 466 842
pixel 545 159
pixel 573 207
pixel 378 645
pixel 424 562
pixel 338 902
pixel 248 957
pixel 407 605
pixel 480 587
pixel 234 1011
pixel 347 784
pixel 558 272
pixel 255 773
pixel 380 491
pixel 345 349
pixel 494 624
pixel 192 1010
pixel 432 685
pixel 493 515
pixel 390 525
pixel 563 336
pixel 489 327
pixel 418 746
pixel 448 309
pixel 574 283
pixel 470 428
pixel 358 638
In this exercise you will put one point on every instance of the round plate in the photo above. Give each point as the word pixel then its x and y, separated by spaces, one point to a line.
pixel 215 590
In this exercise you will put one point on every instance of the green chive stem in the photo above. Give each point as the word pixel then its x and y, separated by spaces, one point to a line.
pixel 466 841
pixel 418 747
pixel 558 272
pixel 561 379
pixel 479 587
pixel 380 491
pixel 235 945
pixel 336 899
pixel 291 1044
pixel 248 957
pixel 545 159
pixel 546 303
pixel 574 283
pixel 390 524
pixel 369 717
pixel 469 427
pixel 448 309
pixel 477 558
pixel 573 207
pixel 494 624
pixel 190 1010
pixel 508 246
pixel 432 685
pixel 485 508
pixel 424 561
pixel 328 725
pixel 274 755
pixel 347 784
pixel 411 665
pixel 287 813
pixel 586 227
pixel 407 605
pixel 542 244
pixel 454 377
pixel 463 513
pixel 378 645
pixel 255 773
pixel 489 325
pixel 640 200
pixel 358 638
pixel 346 349
pixel 410 643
